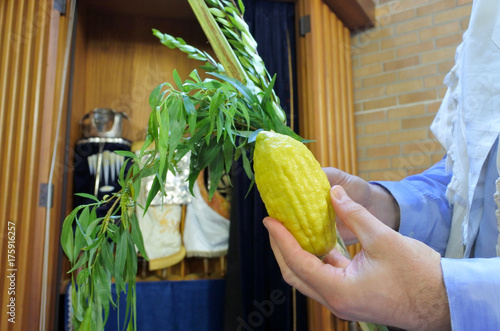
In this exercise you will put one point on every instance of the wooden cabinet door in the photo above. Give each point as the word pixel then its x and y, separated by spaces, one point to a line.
pixel 29 36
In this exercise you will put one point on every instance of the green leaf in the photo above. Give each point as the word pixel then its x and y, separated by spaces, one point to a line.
pixel 242 7
pixel 102 286
pixel 120 258
pixel 188 49
pixel 88 196
pixel 228 148
pixel 89 233
pixel 87 320
pixel 229 134
pixel 112 233
pixel 247 166
pixel 137 236
pixel 93 244
pixel 209 153
pixel 121 177
pixel 177 80
pixel 148 172
pixel 79 240
pixel 131 259
pixel 247 63
pixel 212 3
pixel 192 113
pixel 231 34
pixel 224 22
pixel 216 169
pixel 177 127
pixel 217 12
pixel 77 311
pixel 149 140
pixel 155 188
pixel 195 76
pixel 163 141
pixel 83 295
pixel 220 125
pixel 208 67
pixel 129 154
pixel 81 261
pixel 107 255
pixel 253 136
pixel 245 112
pixel 268 92
pixel 67 236
pixel 154 97
pixel 239 86
pixel 82 277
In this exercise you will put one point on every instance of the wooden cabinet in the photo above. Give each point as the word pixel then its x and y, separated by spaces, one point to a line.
pixel 116 63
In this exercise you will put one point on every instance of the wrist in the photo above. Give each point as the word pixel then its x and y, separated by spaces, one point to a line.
pixel 430 304
pixel 383 206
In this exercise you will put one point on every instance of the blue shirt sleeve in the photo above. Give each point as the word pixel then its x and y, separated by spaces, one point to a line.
pixel 472 285
pixel 473 289
pixel 425 211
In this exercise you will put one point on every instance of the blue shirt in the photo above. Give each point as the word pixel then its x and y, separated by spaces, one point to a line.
pixel 472 284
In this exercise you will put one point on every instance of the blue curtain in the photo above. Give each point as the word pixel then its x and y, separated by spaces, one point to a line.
pixel 257 298
pixel 195 305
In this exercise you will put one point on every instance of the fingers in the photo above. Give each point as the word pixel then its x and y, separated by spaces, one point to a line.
pixel 364 225
pixel 289 251
pixel 289 275
pixel 301 269
pixel 335 176
pixel 335 258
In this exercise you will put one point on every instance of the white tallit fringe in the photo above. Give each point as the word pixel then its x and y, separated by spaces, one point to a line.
pixel 447 128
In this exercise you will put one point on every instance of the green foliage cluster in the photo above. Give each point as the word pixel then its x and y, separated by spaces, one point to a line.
pixel 217 120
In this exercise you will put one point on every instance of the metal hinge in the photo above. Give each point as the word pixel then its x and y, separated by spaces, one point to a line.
pixel 44 195
pixel 60 5
pixel 304 25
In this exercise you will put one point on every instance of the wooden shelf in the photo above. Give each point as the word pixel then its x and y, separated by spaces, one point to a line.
pixel 165 9
pixel 355 14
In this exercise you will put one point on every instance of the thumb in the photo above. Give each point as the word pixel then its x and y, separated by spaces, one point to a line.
pixel 360 221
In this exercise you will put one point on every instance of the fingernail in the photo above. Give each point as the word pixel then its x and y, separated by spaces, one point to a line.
pixel 338 193
pixel 265 222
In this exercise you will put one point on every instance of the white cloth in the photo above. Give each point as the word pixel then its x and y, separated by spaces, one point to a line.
pixel 160 225
pixel 160 228
pixel 470 109
pixel 206 233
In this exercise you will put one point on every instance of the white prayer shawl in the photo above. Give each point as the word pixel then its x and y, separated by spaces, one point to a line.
pixel 468 122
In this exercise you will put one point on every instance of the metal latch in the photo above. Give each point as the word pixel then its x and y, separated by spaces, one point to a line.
pixel 60 5
pixel 44 195
pixel 305 25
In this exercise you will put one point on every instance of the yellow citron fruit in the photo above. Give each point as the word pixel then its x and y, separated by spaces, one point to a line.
pixel 295 190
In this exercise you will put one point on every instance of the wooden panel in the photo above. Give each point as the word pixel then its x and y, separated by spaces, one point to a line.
pixel 325 96
pixel 326 108
pixel 119 62
pixel 25 38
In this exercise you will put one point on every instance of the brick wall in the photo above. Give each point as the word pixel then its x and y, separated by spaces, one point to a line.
pixel 399 67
